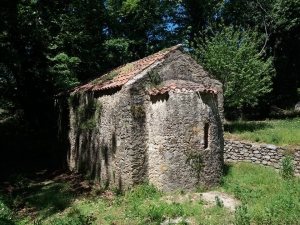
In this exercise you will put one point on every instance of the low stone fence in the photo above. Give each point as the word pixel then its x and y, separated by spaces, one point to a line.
pixel 264 154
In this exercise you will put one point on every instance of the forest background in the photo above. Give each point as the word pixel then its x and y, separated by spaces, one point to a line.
pixel 49 46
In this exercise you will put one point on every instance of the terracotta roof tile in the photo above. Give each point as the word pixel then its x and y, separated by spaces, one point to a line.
pixel 181 87
pixel 120 76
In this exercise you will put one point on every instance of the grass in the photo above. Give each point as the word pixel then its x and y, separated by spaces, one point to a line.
pixel 269 198
pixel 279 132
pixel 266 198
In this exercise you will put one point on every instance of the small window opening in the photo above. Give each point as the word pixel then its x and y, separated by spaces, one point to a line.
pixel 206 128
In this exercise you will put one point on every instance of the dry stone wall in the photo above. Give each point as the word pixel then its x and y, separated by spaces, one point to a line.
pixel 264 154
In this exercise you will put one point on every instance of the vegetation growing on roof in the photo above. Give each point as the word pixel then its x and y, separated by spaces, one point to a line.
pixel 166 50
pixel 111 75
pixel 126 68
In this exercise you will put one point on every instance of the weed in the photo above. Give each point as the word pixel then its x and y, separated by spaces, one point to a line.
pixel 269 198
pixel 154 79
pixel 127 68
pixel 183 222
pixel 111 75
pixel 37 222
pixel 138 111
pixel 76 220
pixel 182 192
pixel 201 201
pixel 174 210
pixel 194 159
pixel 200 189
pixel 241 215
pixel 155 213
pixel 144 191
pixel 219 202
pixel 287 167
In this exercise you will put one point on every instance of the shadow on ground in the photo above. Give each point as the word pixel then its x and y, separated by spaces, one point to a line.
pixel 241 126
pixel 41 194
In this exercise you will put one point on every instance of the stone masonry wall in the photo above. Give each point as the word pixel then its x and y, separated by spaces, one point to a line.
pixel 113 149
pixel 177 140
pixel 180 66
pixel 264 154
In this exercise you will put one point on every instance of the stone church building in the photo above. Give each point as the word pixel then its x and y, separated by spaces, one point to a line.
pixel 155 120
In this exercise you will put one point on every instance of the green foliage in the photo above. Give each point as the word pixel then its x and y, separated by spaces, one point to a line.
pixel 287 167
pixel 278 24
pixel 50 46
pixel 78 220
pixel 111 75
pixel 154 78
pixel 138 111
pixel 266 198
pixel 63 70
pixel 87 114
pixel 73 100
pixel 232 56
pixel 219 202
pixel 145 191
pixel 117 50
pixel 270 199
pixel 194 159
pixel 155 213
pixel 5 212
pixel 285 46
pixel 241 215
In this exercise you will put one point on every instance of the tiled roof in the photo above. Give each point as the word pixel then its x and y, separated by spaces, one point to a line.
pixel 181 87
pixel 120 76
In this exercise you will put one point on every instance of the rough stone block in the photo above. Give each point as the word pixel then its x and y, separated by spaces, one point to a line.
pixel 272 147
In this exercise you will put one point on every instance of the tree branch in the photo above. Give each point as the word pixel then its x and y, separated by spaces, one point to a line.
pixel 267 37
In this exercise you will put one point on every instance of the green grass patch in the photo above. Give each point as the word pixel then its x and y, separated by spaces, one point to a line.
pixel 278 132
pixel 266 198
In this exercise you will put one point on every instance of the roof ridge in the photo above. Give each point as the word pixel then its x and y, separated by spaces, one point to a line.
pixel 119 76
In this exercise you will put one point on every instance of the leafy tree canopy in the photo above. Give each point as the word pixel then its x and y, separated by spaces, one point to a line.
pixel 232 55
